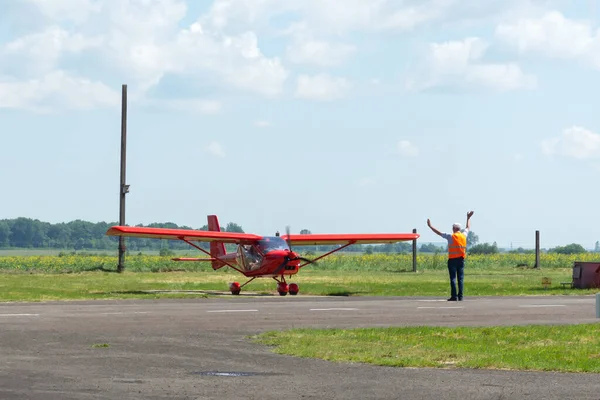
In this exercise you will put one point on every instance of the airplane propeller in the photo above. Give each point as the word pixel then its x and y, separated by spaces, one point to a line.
pixel 289 243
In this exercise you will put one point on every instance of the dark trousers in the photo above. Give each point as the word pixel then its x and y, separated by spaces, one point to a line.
pixel 456 267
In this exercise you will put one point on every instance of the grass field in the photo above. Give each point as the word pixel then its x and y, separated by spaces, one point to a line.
pixel 69 261
pixel 86 276
pixel 572 348
pixel 110 285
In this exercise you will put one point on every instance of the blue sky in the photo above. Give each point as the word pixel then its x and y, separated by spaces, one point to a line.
pixel 354 116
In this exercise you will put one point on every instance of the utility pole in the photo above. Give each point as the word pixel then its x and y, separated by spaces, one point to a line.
pixel 537 249
pixel 123 187
pixel 414 253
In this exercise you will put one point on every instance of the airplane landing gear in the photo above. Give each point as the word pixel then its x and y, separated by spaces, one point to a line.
pixel 282 288
pixel 293 289
pixel 235 288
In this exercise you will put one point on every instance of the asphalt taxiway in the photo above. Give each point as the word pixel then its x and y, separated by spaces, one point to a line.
pixel 199 349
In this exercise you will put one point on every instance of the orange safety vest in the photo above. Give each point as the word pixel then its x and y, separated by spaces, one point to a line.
pixel 458 246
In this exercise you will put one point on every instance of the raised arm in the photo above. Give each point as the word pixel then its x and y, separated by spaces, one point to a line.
pixel 469 215
pixel 432 228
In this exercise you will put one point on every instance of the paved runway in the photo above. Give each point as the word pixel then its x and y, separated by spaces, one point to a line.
pixel 198 349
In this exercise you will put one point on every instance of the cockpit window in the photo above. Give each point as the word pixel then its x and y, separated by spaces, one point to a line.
pixel 272 243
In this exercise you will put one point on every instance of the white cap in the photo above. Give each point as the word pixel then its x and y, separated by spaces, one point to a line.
pixel 457 226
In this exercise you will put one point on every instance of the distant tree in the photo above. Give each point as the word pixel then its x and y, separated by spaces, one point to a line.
pixel 472 239
pixel 4 234
pixel 484 248
pixel 166 252
pixel 402 247
pixel 233 227
pixel 431 248
pixel 83 235
pixel 369 249
pixel 305 232
pixel 596 247
pixel 521 250
pixel 572 248
pixel 59 236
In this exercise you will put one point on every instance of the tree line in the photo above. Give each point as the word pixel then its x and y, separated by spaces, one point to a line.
pixel 35 234
pixel 84 235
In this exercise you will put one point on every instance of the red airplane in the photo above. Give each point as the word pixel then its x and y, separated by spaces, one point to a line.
pixel 258 256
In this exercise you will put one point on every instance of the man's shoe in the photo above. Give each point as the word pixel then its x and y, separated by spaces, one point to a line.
pixel 460 299
pixel 452 299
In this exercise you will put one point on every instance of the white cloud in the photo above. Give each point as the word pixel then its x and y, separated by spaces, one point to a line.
pixel 262 124
pixel 553 35
pixel 215 149
pixel 44 49
pixel 575 142
pixel 459 63
pixel 320 53
pixel 406 148
pixel 70 10
pixel 237 60
pixel 321 87
pixel 330 16
pixel 141 41
pixel 56 90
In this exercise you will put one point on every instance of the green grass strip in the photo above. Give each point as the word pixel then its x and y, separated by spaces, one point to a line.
pixel 569 348
pixel 108 285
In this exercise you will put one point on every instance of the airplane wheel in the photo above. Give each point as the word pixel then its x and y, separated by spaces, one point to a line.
pixel 282 288
pixel 293 289
pixel 235 288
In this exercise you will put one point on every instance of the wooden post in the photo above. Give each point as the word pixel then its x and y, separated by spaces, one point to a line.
pixel 123 188
pixel 414 250
pixel 537 249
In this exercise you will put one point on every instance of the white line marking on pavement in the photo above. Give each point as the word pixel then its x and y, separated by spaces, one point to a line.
pixel 19 315
pixel 333 309
pixel 124 313
pixel 440 307
pixel 432 300
pixel 225 311
pixel 542 305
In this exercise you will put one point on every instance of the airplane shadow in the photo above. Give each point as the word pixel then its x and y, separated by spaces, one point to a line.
pixel 343 293
pixel 190 292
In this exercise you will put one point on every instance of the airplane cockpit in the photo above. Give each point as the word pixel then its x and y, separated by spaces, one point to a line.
pixel 250 256
pixel 270 243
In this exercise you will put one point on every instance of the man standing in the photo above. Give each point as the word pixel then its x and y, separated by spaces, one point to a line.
pixel 457 251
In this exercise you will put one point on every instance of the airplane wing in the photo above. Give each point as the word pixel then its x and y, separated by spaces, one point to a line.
pixel 183 234
pixel 349 238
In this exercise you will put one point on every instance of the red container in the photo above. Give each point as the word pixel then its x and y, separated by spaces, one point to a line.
pixel 586 275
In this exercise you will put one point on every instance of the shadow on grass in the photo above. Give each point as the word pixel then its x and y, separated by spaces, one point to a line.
pixel 566 289
pixel 403 271
pixel 343 293
pixel 93 269
pixel 203 293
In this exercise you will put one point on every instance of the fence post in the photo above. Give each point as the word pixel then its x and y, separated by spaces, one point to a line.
pixel 537 249
pixel 414 250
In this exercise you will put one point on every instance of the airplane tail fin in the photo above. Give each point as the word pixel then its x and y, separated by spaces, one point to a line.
pixel 217 249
